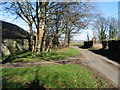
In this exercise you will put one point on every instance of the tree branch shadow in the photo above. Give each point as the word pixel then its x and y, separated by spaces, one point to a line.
pixel 35 84
pixel 8 84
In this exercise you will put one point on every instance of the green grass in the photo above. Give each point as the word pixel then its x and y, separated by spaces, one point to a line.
pixel 57 76
pixel 27 59
pixel 91 48
pixel 22 57
pixel 77 44
pixel 54 55
pixel 63 53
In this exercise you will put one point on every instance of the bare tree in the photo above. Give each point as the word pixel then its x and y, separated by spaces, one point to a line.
pixel 101 25
pixel 78 18
pixel 54 17
pixel 113 28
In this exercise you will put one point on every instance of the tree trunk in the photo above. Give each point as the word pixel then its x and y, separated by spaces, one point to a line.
pixel 43 44
pixel 40 32
pixel 57 40
pixel 68 38
pixel 31 41
pixel 104 44
pixel 56 37
pixel 50 43
pixel 65 39
pixel 66 35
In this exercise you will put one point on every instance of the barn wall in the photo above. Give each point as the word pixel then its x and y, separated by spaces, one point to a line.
pixel 11 46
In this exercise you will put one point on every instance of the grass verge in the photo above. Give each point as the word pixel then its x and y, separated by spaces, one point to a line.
pixel 54 55
pixel 57 76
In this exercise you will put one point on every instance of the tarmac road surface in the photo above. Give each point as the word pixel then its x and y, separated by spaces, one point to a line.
pixel 103 65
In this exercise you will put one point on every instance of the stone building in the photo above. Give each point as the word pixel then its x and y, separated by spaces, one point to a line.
pixel 14 39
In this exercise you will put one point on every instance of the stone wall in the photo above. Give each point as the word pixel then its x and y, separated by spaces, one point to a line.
pixel 97 44
pixel 11 46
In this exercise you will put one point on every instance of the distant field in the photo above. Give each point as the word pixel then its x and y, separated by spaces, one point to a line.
pixel 77 43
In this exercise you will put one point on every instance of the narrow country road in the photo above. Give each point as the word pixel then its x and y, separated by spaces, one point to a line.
pixel 101 65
